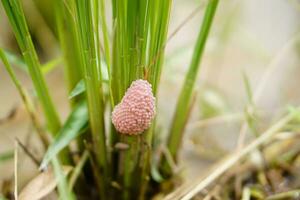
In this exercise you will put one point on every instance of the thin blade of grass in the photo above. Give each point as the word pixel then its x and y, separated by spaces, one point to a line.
pixel 17 20
pixel 182 108
pixel 78 169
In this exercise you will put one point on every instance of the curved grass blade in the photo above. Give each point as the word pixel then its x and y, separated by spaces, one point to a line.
pixel 76 122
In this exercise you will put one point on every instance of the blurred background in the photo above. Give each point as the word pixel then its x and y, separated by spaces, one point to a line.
pixel 253 50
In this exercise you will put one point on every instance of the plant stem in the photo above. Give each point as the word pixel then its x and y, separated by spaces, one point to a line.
pixel 106 47
pixel 182 108
pixel 69 42
pixel 93 80
pixel 159 13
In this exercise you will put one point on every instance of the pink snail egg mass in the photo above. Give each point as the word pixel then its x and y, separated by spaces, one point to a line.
pixel 135 112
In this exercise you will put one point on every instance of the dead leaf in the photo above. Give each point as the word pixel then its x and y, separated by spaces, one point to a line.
pixel 42 184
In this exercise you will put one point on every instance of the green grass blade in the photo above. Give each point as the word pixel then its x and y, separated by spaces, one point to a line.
pixel 73 127
pixel 17 20
pixel 78 169
pixel 184 100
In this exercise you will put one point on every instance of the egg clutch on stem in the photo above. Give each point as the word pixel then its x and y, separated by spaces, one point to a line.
pixel 135 112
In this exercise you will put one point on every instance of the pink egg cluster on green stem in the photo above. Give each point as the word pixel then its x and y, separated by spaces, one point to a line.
pixel 135 112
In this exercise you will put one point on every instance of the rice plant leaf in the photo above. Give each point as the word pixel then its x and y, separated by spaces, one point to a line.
pixel 184 101
pixel 79 89
pixel 43 184
pixel 73 127
pixel 6 156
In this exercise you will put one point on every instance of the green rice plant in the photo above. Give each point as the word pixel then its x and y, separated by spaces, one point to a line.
pixel 120 165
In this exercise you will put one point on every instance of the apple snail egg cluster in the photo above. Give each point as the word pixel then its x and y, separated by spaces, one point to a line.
pixel 135 112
